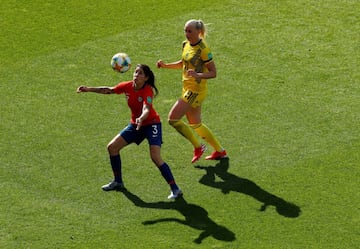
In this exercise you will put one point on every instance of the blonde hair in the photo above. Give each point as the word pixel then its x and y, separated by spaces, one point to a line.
pixel 199 25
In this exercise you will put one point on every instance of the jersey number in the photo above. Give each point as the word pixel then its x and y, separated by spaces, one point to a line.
pixel 155 129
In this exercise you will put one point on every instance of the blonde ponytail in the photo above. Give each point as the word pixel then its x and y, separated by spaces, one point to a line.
pixel 199 25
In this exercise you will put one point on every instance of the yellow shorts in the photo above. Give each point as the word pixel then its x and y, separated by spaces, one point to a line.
pixel 195 99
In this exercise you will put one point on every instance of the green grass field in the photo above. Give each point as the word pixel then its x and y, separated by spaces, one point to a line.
pixel 285 105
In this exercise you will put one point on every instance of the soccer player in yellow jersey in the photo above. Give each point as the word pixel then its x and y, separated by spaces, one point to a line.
pixel 197 66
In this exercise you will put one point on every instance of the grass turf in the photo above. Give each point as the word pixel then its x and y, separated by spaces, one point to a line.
pixel 285 105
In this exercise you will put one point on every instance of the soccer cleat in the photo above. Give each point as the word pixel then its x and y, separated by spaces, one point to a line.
pixel 198 152
pixel 175 194
pixel 217 155
pixel 113 186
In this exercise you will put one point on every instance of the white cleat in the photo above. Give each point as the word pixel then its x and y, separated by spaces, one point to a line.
pixel 175 194
pixel 113 186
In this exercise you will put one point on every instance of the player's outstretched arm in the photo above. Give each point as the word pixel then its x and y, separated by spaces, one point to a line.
pixel 101 89
pixel 172 65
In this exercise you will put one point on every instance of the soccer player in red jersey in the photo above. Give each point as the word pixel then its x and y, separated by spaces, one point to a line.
pixel 144 124
pixel 197 66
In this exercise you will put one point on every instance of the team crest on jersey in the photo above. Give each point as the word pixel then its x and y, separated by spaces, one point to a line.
pixel 149 99
pixel 140 99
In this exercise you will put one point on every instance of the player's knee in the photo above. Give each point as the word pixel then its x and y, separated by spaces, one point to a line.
pixel 112 149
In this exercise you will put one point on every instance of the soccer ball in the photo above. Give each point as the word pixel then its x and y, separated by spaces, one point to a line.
pixel 121 62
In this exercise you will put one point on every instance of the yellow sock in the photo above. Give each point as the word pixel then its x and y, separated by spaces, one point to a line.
pixel 186 131
pixel 206 134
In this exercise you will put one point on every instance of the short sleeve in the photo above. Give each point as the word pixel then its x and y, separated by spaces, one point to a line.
pixel 120 88
pixel 206 55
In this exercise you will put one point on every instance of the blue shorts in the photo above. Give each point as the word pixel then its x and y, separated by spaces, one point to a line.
pixel 152 133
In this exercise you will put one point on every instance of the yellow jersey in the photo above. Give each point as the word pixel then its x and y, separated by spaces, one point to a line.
pixel 195 57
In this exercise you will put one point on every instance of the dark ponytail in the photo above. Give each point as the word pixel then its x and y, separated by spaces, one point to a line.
pixel 151 77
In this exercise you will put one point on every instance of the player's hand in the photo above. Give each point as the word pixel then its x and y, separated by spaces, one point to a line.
pixel 192 73
pixel 160 64
pixel 81 89
pixel 138 122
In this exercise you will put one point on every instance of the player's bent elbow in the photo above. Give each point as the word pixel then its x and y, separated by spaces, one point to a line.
pixel 214 75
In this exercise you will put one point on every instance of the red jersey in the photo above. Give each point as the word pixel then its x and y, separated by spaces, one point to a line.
pixel 136 99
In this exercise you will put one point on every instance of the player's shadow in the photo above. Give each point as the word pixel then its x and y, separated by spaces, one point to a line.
pixel 194 216
pixel 230 182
